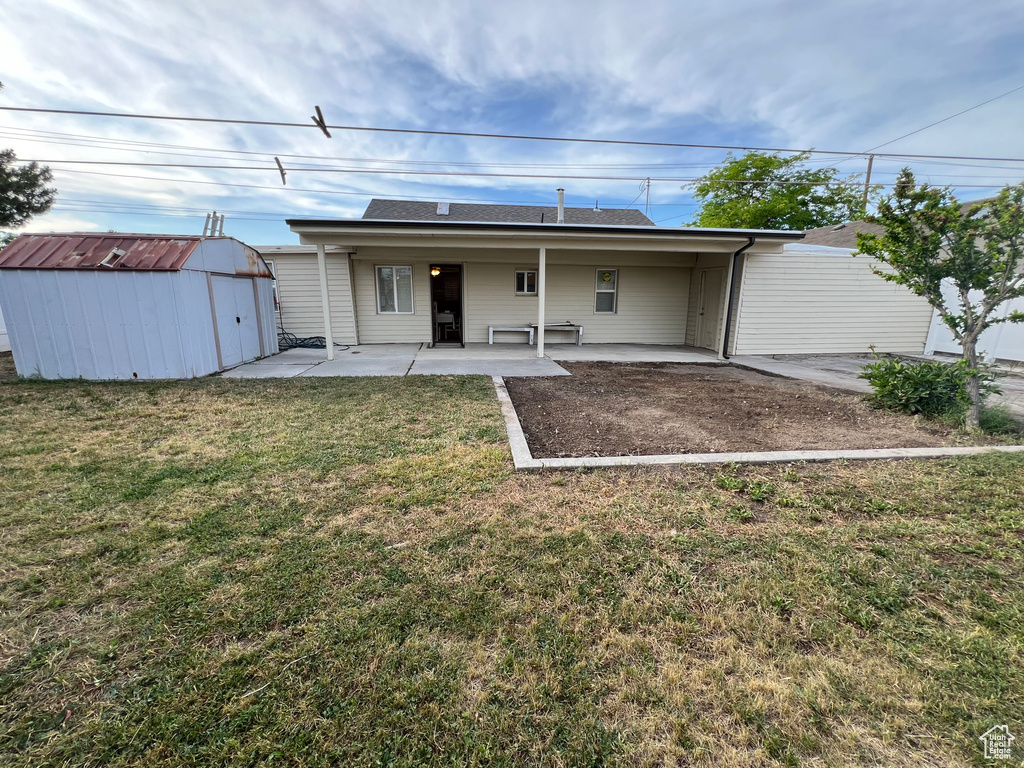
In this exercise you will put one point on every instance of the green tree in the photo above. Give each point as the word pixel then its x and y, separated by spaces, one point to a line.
pixel 768 191
pixel 23 190
pixel 930 237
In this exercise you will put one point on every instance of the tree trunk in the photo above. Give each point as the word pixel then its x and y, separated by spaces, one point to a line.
pixel 973 419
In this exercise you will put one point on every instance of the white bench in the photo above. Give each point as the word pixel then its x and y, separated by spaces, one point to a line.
pixel 522 328
pixel 577 329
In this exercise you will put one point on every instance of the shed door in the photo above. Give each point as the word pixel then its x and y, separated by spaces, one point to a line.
pixel 237 326
pixel 709 306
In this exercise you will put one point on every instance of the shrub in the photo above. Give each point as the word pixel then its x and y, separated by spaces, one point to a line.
pixel 931 387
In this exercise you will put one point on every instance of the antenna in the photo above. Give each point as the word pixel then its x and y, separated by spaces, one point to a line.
pixel 647 205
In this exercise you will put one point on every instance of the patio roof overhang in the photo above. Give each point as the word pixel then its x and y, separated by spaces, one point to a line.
pixel 475 234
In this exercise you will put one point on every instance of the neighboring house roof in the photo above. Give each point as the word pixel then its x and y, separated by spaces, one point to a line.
pixel 112 250
pixel 841 235
pixel 417 210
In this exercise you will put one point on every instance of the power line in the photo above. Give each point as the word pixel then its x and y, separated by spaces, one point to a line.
pixel 478 135
pixel 945 119
pixel 409 172
pixel 278 188
pixel 145 147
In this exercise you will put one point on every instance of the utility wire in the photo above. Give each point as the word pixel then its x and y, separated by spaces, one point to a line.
pixel 391 172
pixel 477 135
pixel 943 120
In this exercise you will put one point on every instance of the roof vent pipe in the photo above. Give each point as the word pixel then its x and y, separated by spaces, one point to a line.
pixel 561 205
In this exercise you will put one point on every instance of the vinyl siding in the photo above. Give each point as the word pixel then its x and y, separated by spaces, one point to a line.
pixel 652 302
pixel 390 328
pixel 298 293
pixel 704 261
pixel 815 303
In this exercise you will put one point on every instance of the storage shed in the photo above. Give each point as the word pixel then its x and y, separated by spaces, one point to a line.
pixel 121 306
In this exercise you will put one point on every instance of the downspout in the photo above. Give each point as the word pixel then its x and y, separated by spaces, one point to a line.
pixel 733 281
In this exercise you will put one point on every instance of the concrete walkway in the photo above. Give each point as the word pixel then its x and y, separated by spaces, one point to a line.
pixel 403 360
pixel 473 359
pixel 841 372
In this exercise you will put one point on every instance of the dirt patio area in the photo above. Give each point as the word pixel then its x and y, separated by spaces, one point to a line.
pixel 611 409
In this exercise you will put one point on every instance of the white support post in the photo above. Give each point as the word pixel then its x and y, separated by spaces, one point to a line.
pixel 724 314
pixel 541 285
pixel 325 299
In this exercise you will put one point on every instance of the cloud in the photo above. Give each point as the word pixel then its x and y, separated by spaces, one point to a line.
pixel 791 73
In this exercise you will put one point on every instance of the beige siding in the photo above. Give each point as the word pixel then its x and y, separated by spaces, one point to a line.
pixel 377 328
pixel 652 302
pixel 704 261
pixel 298 292
pixel 816 303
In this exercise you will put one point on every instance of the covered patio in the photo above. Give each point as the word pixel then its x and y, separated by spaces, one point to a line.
pixel 473 359
pixel 459 283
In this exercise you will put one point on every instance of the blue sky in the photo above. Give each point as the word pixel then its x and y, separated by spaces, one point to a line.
pixel 793 73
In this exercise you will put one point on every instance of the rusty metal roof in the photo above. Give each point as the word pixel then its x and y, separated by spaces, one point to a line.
pixel 99 251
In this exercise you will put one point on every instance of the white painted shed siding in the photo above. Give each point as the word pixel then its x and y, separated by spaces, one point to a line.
pixel 96 325
pixel 807 303
pixel 5 344
pixel 298 292
pixel 1004 341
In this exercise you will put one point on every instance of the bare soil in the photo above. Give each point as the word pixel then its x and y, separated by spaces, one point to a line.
pixel 618 409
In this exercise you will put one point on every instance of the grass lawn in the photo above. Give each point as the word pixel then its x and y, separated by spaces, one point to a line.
pixel 347 572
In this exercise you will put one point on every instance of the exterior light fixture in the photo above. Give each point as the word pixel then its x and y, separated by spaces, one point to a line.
pixel 435 271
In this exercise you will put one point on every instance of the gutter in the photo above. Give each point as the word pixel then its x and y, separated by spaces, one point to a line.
pixel 303 226
pixel 733 281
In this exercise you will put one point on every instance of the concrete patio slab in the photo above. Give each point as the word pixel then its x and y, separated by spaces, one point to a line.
pixel 294 357
pixel 839 371
pixel 629 353
pixel 366 366
pixel 267 371
pixel 487 367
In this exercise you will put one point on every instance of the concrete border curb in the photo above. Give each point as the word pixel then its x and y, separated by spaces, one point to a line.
pixel 523 459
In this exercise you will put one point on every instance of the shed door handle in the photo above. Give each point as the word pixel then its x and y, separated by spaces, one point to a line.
pixel 238 320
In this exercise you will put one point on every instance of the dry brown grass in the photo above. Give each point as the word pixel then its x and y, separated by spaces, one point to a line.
pixel 350 573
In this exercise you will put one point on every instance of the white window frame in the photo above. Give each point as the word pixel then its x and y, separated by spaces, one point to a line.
pixel 526 282
pixel 394 278
pixel 614 291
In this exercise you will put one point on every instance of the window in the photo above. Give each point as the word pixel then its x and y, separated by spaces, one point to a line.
pixel 607 289
pixel 526 282
pixel 394 290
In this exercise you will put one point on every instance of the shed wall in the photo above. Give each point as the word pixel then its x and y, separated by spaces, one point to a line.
pixel 815 303
pixel 97 325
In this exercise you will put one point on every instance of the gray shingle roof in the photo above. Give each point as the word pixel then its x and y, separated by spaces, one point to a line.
pixel 841 235
pixel 416 210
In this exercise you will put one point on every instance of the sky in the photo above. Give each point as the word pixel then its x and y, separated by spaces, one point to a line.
pixel 794 74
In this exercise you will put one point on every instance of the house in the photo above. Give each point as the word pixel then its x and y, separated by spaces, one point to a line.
pixel 121 306
pixel 1000 342
pixel 437 273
